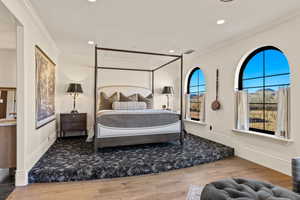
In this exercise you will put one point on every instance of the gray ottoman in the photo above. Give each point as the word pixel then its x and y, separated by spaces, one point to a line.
pixel 296 174
pixel 244 189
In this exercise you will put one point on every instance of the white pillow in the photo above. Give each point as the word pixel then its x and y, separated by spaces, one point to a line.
pixel 129 105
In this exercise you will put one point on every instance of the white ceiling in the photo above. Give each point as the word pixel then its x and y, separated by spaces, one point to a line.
pixel 153 25
pixel 7 29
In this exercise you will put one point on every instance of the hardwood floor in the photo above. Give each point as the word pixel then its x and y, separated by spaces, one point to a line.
pixel 165 186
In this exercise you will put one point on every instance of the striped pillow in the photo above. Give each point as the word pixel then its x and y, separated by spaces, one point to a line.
pixel 129 105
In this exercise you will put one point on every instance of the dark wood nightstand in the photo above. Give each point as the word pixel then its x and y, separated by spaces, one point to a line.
pixel 72 122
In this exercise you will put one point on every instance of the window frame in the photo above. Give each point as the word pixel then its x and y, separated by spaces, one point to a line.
pixel 264 86
pixel 189 86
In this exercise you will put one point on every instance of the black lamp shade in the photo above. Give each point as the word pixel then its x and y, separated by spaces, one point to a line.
pixel 168 90
pixel 74 88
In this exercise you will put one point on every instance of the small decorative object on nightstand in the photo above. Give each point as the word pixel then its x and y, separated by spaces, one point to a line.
pixel 74 90
pixel 72 122
pixel 168 90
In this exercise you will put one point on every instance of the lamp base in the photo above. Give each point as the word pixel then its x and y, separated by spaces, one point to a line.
pixel 74 111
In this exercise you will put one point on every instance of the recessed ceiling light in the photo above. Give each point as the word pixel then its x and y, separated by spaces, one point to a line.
pixel 92 1
pixel 221 21
pixel 172 51
pixel 91 42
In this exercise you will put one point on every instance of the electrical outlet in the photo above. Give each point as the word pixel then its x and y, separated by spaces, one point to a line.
pixel 210 127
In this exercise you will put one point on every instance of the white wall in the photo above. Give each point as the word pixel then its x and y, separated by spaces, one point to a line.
pixel 72 69
pixel 8 68
pixel 268 152
pixel 168 76
pixel 31 143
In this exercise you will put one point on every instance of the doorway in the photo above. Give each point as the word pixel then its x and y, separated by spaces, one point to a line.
pixel 8 106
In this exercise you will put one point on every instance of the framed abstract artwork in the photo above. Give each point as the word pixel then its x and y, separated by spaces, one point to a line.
pixel 45 88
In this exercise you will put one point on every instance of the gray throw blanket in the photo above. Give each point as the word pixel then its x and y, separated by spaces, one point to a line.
pixel 137 119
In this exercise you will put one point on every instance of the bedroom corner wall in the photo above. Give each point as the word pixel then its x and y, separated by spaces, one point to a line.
pixel 168 76
pixel 77 69
pixel 74 70
pixel 265 151
pixel 31 143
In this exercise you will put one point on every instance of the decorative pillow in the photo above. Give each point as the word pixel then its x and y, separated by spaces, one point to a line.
pixel 129 105
pixel 148 100
pixel 124 98
pixel 106 102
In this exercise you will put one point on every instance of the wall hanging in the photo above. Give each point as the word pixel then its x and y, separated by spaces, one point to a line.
pixel 216 105
pixel 45 88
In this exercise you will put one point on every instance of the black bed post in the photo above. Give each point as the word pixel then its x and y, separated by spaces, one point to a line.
pixel 152 82
pixel 98 67
pixel 181 101
pixel 95 98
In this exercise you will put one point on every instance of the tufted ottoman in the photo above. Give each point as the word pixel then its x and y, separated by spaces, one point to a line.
pixel 243 189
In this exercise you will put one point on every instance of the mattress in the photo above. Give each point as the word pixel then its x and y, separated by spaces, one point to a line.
pixel 118 123
pixel 108 132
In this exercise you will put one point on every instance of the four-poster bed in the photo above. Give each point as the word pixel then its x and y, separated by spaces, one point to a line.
pixel 162 127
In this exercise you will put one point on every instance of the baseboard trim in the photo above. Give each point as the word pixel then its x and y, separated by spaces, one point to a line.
pixel 266 160
pixel 250 153
pixel 36 155
pixel 21 178
pixel 22 175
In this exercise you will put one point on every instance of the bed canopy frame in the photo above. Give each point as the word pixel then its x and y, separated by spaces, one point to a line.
pixel 152 71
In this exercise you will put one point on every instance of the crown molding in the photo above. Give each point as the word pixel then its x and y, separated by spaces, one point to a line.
pixel 37 21
pixel 247 34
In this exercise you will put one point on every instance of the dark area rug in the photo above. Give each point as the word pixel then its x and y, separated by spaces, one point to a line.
pixel 75 160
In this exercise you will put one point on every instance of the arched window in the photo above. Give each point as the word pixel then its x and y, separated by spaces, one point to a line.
pixel 196 90
pixel 263 73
